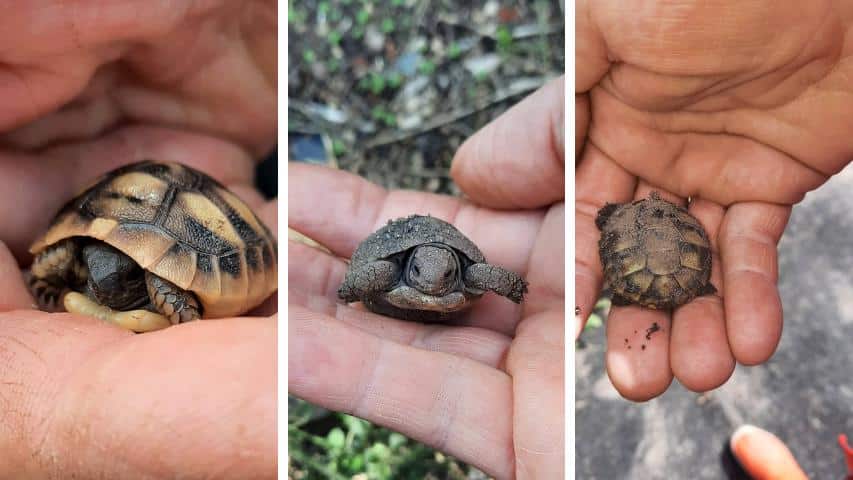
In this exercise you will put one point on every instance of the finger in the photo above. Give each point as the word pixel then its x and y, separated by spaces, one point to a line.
pixel 14 294
pixel 432 397
pixel 592 57
pixel 536 365
pixel 645 189
pixel 96 383
pixel 640 363
pixel 71 45
pixel 47 182
pixel 598 181
pixel 700 356
pixel 637 358
pixel 696 164
pixel 353 208
pixel 516 161
pixel 547 272
pixel 748 239
pixel 317 274
pixel 764 456
pixel 582 115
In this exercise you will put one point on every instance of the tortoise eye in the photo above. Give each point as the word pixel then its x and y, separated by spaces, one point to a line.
pixel 448 273
pixel 416 270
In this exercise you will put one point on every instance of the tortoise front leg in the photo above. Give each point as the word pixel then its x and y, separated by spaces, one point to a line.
pixel 367 280
pixel 496 279
pixel 173 302
pixel 135 320
pixel 55 270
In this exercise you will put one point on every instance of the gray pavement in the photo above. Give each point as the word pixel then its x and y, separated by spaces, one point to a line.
pixel 804 393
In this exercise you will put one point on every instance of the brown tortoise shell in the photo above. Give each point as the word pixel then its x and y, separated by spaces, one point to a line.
pixel 182 225
pixel 654 253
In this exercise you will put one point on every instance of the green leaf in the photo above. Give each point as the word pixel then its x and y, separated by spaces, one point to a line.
pixel 334 37
pixel 504 38
pixel 356 463
pixel 355 426
pixel 336 438
pixel 309 56
pixel 378 451
pixel 426 67
pixel 394 79
pixel 362 17
pixel 338 147
pixel 396 440
pixel 594 321
pixel 453 51
pixel 387 25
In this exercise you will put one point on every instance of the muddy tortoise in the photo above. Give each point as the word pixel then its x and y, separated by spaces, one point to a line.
pixel 654 253
pixel 151 245
pixel 423 269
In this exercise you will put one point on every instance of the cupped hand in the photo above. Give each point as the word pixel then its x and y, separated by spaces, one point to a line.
pixel 71 70
pixel 488 389
pixel 80 398
pixel 741 108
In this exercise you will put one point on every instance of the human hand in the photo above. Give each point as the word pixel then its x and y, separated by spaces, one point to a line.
pixel 203 66
pixel 764 456
pixel 742 108
pixel 82 398
pixel 488 389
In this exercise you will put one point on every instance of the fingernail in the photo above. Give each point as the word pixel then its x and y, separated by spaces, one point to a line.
pixel 743 431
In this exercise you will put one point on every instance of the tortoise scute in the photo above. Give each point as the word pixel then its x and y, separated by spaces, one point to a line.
pixel 181 225
pixel 654 253
pixel 421 268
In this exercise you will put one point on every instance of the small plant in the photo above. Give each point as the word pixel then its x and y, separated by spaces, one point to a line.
pixel 427 67
pixel 394 80
pixel 362 17
pixel 454 51
pixel 504 39
pixel 387 25
pixel 373 82
pixel 338 147
pixel 334 37
pixel 356 447
pixel 380 114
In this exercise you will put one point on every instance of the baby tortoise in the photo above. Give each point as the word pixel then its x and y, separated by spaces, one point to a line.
pixel 423 269
pixel 654 253
pixel 151 245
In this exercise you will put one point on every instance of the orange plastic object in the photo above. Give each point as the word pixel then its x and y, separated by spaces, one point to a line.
pixel 848 454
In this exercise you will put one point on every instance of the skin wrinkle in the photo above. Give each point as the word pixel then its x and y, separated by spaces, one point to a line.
pixel 365 389
pixel 446 406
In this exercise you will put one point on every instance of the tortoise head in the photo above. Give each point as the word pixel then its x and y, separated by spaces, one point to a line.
pixel 115 280
pixel 433 269
pixel 604 214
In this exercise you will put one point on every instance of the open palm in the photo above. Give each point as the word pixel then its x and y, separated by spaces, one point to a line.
pixel 487 389
pixel 741 111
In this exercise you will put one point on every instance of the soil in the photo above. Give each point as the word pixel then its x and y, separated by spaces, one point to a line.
pixel 390 89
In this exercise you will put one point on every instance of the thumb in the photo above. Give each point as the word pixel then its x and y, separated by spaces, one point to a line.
pixel 764 456
pixel 516 161
pixel 13 292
